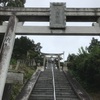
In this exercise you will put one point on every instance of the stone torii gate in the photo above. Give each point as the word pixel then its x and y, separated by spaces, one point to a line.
pixel 57 15
pixel 47 56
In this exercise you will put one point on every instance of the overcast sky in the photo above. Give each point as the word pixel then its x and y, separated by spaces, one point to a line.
pixel 68 44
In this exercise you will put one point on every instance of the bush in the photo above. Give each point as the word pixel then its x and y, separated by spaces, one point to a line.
pixel 85 66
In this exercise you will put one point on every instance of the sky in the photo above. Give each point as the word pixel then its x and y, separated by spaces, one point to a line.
pixel 59 44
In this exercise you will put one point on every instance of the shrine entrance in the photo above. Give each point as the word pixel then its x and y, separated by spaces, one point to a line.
pixel 57 15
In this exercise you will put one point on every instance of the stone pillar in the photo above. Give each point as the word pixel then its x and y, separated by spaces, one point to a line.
pixel 44 61
pixel 17 66
pixel 59 61
pixel 98 21
pixel 6 51
pixel 47 62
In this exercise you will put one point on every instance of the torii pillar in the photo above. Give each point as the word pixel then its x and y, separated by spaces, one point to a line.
pixel 47 61
pixel 44 61
pixel 6 51
pixel 59 61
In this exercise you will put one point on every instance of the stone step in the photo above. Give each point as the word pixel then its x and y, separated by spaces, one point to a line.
pixel 66 98
pixel 41 97
pixel 42 92
pixel 66 95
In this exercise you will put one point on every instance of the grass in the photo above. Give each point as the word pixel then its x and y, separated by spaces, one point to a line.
pixel 27 71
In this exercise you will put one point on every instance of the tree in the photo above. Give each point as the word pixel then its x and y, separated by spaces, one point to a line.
pixel 22 46
pixel 94 43
pixel 71 57
pixel 86 65
pixel 25 48
pixel 12 3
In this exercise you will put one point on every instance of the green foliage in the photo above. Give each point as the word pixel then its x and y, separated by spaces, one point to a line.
pixel 94 43
pixel 17 87
pixel 13 62
pixel 12 3
pixel 86 65
pixel 15 90
pixel 26 49
pixel 22 46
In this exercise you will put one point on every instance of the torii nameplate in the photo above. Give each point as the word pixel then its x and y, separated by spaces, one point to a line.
pixel 57 15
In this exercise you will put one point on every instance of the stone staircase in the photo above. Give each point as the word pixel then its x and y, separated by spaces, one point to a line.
pixel 44 88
